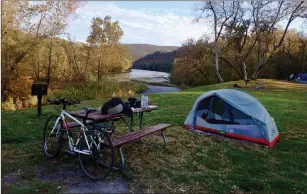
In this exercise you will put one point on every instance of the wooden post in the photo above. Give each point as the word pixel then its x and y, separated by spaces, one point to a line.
pixel 39 104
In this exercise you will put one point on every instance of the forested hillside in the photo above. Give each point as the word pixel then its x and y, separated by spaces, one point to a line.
pixel 158 61
pixel 137 51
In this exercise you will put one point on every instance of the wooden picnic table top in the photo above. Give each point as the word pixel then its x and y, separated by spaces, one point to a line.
pixel 97 116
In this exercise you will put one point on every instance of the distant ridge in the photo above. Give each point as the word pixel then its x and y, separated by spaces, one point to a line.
pixel 137 51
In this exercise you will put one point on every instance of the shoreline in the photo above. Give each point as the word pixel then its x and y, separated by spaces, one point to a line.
pixel 154 83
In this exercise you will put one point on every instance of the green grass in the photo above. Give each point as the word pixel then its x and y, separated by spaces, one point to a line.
pixel 190 162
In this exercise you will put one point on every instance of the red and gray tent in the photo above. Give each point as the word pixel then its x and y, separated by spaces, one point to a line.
pixel 235 114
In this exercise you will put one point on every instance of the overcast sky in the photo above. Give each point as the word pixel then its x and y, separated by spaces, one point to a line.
pixel 165 23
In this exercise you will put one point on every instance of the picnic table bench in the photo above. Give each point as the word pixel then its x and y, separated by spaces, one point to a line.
pixel 97 119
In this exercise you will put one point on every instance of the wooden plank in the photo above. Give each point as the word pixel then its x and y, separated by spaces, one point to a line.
pixel 138 134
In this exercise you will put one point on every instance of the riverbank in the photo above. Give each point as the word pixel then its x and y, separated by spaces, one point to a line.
pixel 152 89
pixel 83 91
pixel 153 82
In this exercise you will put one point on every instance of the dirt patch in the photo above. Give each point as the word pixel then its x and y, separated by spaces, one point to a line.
pixel 75 181
pixel 11 177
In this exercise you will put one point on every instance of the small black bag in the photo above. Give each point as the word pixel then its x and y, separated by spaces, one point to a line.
pixel 134 103
pixel 115 106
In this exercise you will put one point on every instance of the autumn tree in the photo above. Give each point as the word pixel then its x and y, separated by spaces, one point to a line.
pixel 25 26
pixel 59 12
pixel 303 51
pixel 240 40
pixel 219 13
pixel 104 36
pixel 193 66
pixel 266 16
pixel 21 33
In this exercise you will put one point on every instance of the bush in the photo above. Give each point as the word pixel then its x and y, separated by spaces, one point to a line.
pixel 9 104
pixel 94 90
pixel 89 91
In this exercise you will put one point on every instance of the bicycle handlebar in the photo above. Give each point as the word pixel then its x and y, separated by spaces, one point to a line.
pixel 63 101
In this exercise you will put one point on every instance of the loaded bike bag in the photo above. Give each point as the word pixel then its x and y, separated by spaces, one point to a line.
pixel 115 106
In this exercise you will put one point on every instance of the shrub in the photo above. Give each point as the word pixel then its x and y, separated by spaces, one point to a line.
pixel 93 90
pixel 9 104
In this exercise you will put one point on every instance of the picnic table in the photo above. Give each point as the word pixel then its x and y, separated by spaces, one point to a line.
pixel 95 118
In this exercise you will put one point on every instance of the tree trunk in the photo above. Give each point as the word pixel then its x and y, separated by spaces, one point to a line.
pixel 99 71
pixel 256 72
pixel 217 73
pixel 87 64
pixel 3 90
pixel 243 69
pixel 49 62
pixel 37 66
pixel 303 58
pixel 37 73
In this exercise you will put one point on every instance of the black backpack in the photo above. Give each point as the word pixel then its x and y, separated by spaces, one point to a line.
pixel 115 106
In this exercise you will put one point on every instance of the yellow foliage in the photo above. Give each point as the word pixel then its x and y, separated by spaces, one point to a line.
pixel 9 104
pixel 20 87
pixel 33 100
pixel 124 93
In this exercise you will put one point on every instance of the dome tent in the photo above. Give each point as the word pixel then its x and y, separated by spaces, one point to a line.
pixel 301 78
pixel 233 113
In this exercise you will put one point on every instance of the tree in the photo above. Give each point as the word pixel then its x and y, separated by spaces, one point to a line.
pixel 266 15
pixel 240 40
pixel 192 65
pixel 21 33
pixel 25 26
pixel 56 18
pixel 104 34
pixel 303 49
pixel 221 13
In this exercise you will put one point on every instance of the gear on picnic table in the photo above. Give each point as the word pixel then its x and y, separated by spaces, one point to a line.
pixel 115 106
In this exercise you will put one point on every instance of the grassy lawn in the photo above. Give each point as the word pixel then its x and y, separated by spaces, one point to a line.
pixel 190 162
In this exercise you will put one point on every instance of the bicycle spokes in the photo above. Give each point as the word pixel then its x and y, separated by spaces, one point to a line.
pixel 51 143
pixel 100 162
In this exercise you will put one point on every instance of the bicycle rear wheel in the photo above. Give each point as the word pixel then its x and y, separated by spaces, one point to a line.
pixel 51 143
pixel 99 164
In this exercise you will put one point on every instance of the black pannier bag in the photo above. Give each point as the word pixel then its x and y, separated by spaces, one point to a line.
pixel 115 106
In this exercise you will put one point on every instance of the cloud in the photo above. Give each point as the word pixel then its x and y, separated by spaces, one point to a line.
pixel 145 25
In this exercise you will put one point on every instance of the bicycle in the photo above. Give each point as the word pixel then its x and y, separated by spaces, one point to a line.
pixel 93 145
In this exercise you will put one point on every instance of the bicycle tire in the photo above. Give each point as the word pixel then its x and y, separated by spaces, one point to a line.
pixel 57 139
pixel 101 158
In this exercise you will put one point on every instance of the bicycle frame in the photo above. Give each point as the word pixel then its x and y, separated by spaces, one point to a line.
pixel 72 147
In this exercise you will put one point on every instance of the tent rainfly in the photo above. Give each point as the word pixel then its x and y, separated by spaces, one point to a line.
pixel 301 78
pixel 235 114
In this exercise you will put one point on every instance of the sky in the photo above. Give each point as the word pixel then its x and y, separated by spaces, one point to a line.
pixel 163 23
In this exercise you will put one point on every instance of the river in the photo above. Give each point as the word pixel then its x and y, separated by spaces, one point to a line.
pixel 148 75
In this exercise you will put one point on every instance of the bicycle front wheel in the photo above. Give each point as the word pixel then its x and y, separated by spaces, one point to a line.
pixel 99 163
pixel 51 143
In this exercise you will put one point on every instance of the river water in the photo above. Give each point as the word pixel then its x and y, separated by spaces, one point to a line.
pixel 153 75
pixel 138 73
